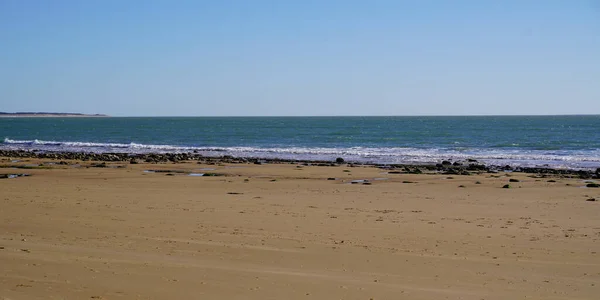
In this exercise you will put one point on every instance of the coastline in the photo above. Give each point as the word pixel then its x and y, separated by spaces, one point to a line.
pixel 448 167
pixel 110 229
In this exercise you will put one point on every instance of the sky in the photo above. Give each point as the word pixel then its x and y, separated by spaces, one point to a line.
pixel 300 58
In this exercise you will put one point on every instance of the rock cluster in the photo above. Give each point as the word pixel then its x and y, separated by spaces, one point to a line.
pixel 466 167
pixel 152 158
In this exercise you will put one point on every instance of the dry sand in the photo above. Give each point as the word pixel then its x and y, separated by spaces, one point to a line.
pixel 279 231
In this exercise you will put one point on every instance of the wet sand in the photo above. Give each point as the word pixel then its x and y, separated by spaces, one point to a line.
pixel 283 231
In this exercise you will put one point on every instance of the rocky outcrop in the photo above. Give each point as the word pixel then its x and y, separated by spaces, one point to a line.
pixel 445 167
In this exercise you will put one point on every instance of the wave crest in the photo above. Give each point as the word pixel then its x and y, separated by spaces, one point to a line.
pixel 391 155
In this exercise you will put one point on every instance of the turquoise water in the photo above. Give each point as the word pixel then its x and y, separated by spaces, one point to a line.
pixel 556 141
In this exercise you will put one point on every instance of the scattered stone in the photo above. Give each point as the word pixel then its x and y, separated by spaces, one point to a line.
pixel 593 185
pixel 213 174
pixel 513 180
pixel 159 158
pixel 551 180
pixel 339 160
pixel 331 178
pixel 591 199
pixel 10 176
pixel 166 171
pixel 506 186
pixel 477 167
pixel 477 182
pixel 457 171
pixel 416 171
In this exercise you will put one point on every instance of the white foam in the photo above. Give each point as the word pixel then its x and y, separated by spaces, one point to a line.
pixel 389 155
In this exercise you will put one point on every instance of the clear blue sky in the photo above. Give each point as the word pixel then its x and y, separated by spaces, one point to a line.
pixel 344 57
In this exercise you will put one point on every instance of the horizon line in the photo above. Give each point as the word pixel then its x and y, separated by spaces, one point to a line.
pixel 59 114
pixel 342 116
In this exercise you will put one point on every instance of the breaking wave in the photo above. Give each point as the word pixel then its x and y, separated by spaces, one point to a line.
pixel 575 159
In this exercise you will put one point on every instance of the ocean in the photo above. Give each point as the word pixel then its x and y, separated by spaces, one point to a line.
pixel 571 142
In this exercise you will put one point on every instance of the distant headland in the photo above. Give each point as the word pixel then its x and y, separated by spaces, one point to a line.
pixel 47 114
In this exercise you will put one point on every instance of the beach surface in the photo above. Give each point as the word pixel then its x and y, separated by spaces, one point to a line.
pixel 287 231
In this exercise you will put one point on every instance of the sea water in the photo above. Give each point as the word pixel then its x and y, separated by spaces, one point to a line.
pixel 553 141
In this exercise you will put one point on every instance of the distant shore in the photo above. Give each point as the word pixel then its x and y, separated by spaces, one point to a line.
pixel 47 115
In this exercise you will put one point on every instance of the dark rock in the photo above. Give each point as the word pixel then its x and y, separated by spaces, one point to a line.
pixel 416 171
pixel 339 160
pixel 5 176
pixel 456 171
pixel 446 163
pixel 506 186
pixel 476 167
pixel 591 199
pixel 451 172
pixel 513 180
pixel 584 174
pixel 593 185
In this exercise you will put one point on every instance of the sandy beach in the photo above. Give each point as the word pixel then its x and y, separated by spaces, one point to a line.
pixel 286 231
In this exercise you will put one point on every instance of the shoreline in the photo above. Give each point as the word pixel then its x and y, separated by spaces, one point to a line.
pixel 447 167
